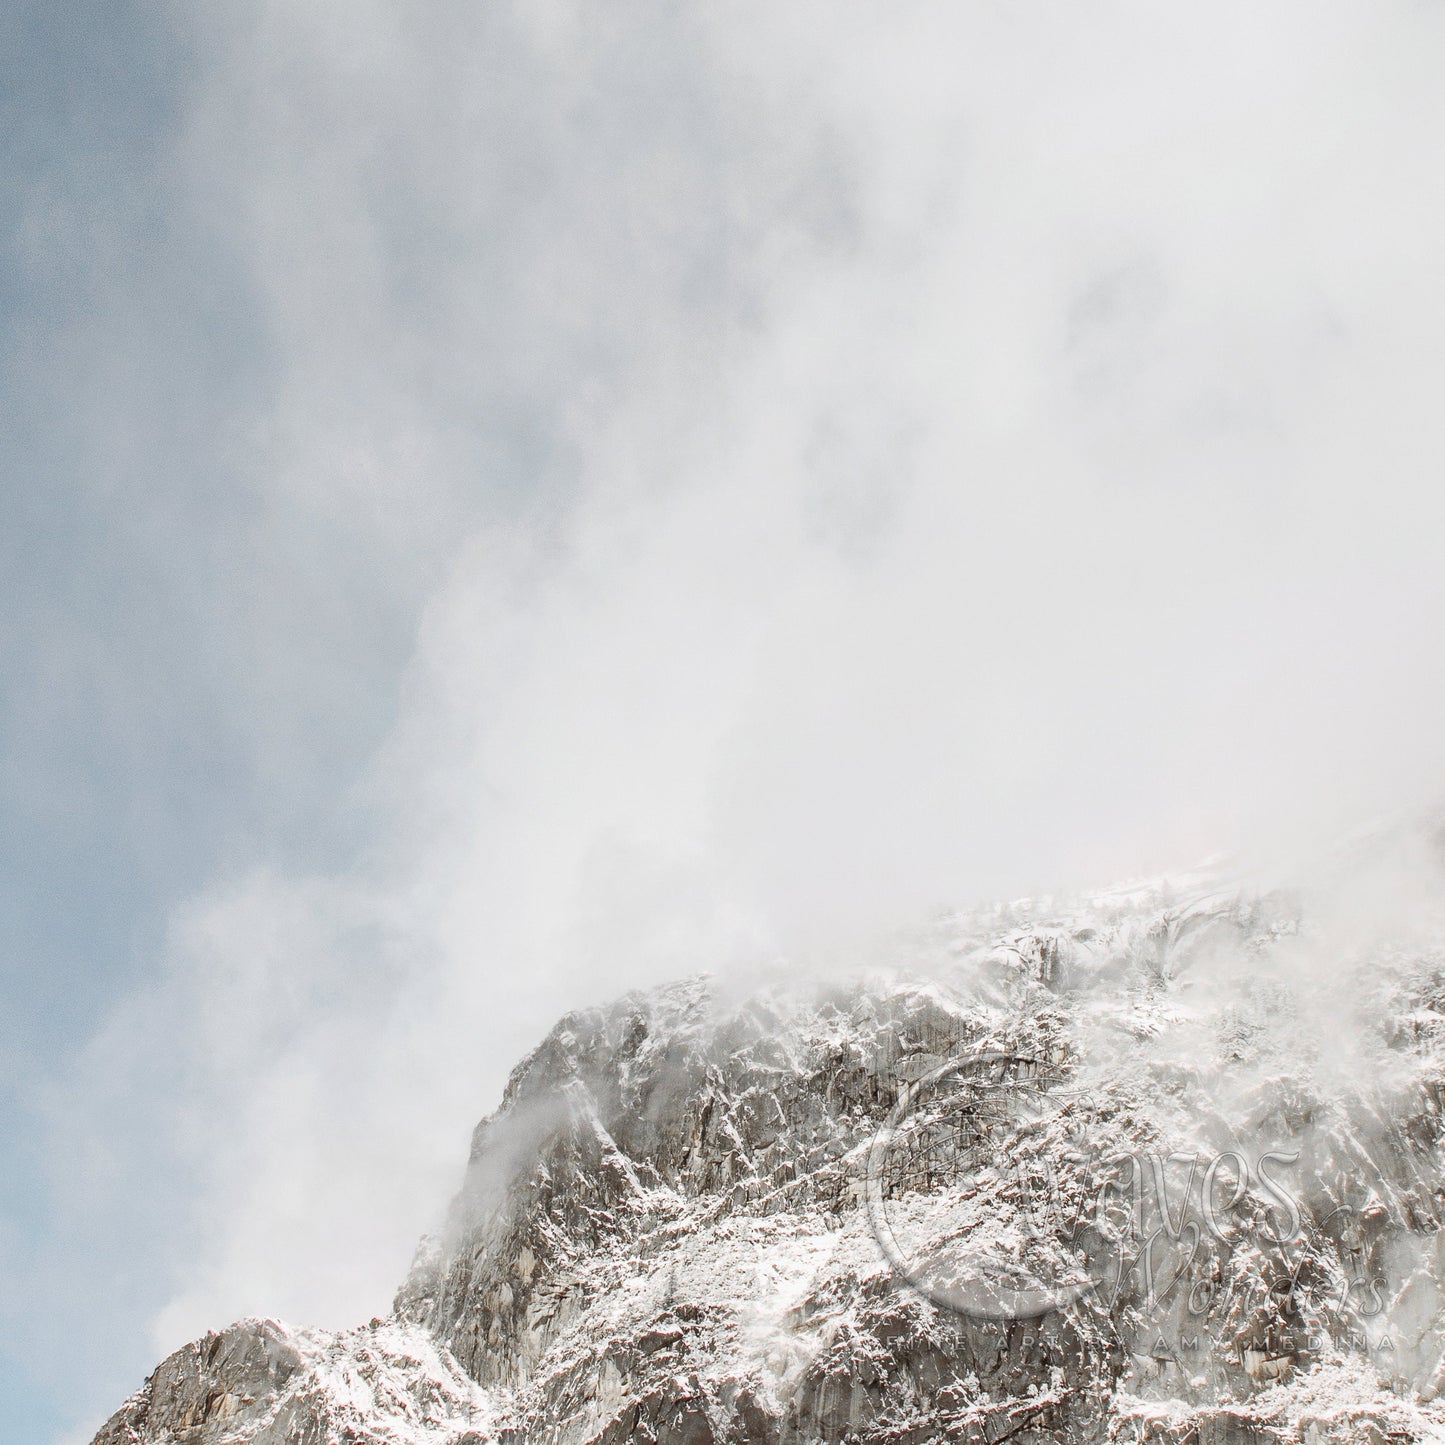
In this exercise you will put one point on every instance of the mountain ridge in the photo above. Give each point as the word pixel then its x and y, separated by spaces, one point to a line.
pixel 669 1229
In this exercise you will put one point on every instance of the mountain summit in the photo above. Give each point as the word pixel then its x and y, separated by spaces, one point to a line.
pixel 1162 1163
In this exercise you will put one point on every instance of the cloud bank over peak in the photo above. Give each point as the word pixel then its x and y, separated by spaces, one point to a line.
pixel 824 468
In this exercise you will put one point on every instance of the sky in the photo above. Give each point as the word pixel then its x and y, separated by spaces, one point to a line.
pixel 505 504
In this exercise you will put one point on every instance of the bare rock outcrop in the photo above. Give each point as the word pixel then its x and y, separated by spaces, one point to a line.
pixel 1126 1169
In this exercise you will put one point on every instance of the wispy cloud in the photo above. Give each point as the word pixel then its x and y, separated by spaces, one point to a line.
pixel 822 466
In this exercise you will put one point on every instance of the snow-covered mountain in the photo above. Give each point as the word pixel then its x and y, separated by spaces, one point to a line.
pixel 1157 1164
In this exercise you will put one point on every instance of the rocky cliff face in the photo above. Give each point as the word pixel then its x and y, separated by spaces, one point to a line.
pixel 1163 1164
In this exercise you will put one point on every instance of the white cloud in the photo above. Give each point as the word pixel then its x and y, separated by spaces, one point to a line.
pixel 974 448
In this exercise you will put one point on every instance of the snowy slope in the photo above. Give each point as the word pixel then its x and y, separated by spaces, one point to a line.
pixel 260 1381
pixel 1204 1121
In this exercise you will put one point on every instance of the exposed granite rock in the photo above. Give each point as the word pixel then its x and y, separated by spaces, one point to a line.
pixel 668 1231
pixel 259 1381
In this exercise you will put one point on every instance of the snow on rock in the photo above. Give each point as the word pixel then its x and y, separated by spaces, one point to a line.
pixel 1207 1131
pixel 261 1382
